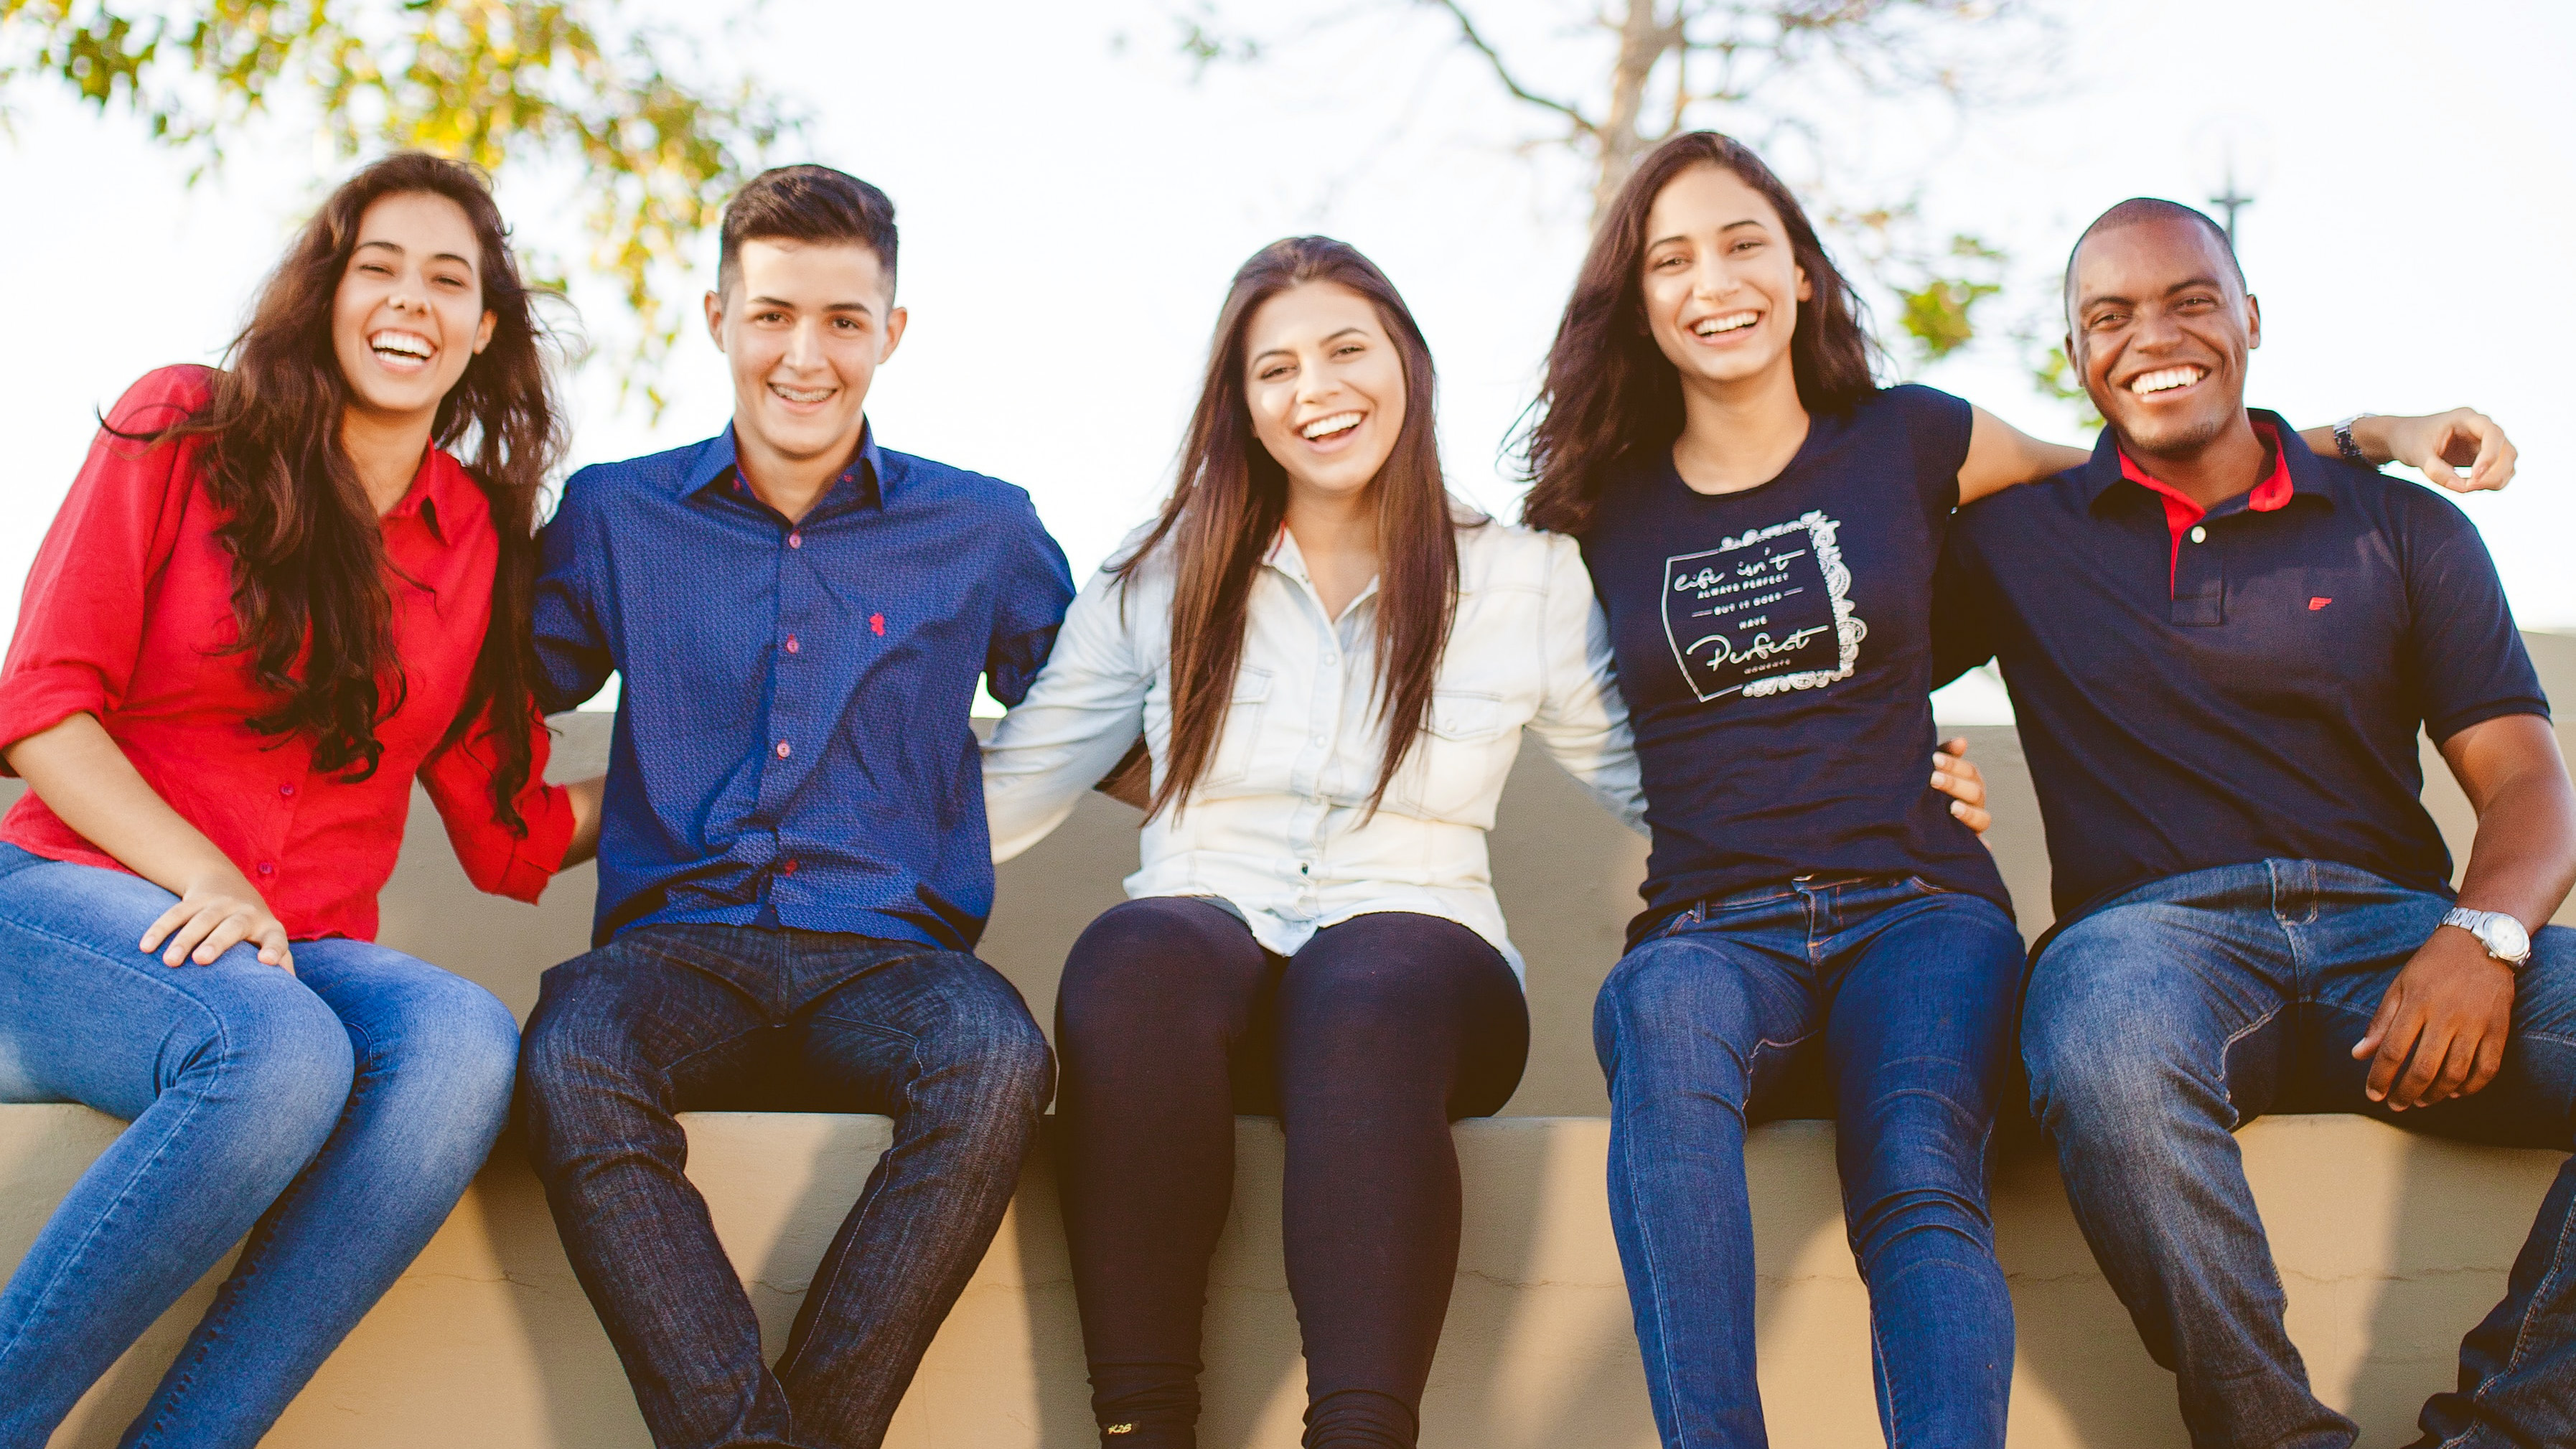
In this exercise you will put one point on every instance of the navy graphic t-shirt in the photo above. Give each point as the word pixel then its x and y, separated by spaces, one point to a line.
pixel 1774 646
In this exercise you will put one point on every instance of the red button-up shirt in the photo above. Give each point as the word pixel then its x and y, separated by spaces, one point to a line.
pixel 128 614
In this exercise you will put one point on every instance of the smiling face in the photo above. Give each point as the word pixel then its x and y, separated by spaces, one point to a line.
pixel 1722 282
pixel 804 326
pixel 2161 330
pixel 408 313
pixel 1326 387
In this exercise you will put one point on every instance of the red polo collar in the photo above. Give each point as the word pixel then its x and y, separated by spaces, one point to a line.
pixel 2269 496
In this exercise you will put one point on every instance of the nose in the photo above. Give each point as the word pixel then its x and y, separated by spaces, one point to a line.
pixel 1712 279
pixel 805 345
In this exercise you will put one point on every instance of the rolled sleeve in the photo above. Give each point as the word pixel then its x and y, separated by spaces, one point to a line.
pixel 81 618
pixel 500 861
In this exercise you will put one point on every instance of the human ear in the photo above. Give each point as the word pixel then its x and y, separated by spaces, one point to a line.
pixel 715 319
pixel 1806 289
pixel 483 332
pixel 2253 323
pixel 896 320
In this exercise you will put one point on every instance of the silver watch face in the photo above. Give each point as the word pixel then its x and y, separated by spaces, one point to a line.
pixel 2506 939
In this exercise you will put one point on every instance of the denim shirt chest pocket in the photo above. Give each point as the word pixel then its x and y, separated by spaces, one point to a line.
pixel 1240 743
pixel 1453 764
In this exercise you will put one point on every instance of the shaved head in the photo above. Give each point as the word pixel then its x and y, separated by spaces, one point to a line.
pixel 2138 210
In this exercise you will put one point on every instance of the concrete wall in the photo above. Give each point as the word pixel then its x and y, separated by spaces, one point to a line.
pixel 2390 1245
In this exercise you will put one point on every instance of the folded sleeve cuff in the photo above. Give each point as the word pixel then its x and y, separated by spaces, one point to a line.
pixel 36 700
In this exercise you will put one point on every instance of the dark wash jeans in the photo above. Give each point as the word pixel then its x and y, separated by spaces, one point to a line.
pixel 1902 997
pixel 2186 1008
pixel 674 1018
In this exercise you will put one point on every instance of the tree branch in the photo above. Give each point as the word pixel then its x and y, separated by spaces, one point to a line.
pixel 1476 41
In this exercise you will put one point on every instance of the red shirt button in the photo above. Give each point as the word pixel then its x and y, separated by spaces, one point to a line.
pixel 796 540
pixel 787 866
pixel 286 790
pixel 268 867
pixel 783 751
pixel 791 643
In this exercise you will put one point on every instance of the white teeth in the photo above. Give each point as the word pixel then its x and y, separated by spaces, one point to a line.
pixel 1732 322
pixel 404 343
pixel 801 395
pixel 1333 424
pixel 2167 379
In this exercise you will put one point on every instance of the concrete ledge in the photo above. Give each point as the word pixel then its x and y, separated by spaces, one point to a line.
pixel 2391 1246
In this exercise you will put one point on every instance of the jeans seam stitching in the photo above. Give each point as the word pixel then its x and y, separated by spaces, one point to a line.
pixel 859 1209
pixel 161 1149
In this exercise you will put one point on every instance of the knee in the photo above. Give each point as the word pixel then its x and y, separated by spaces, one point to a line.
pixel 1145 960
pixel 280 1052
pixel 459 1049
pixel 984 1039
pixel 1673 1016
pixel 2107 1032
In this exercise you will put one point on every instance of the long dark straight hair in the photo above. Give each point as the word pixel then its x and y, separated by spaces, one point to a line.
pixel 1232 498
pixel 308 557
pixel 1612 399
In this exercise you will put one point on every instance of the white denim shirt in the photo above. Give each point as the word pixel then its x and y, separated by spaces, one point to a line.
pixel 1278 828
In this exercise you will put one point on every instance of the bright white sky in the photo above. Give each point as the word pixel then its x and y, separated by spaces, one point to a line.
pixel 1072 206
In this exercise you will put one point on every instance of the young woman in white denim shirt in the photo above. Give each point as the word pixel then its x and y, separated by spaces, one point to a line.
pixel 1313 932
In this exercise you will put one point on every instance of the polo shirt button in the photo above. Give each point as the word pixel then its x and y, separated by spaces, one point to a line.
pixel 796 540
pixel 268 867
pixel 2200 535
pixel 783 750
pixel 791 643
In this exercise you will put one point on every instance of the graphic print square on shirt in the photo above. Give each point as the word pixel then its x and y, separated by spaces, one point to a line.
pixel 1763 612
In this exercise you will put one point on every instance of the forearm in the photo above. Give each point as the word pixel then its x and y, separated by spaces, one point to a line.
pixel 84 778
pixel 2523 860
pixel 587 797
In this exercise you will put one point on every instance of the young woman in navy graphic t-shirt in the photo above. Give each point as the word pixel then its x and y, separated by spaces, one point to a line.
pixel 1761 521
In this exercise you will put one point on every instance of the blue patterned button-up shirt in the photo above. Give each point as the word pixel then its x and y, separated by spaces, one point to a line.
pixel 792 746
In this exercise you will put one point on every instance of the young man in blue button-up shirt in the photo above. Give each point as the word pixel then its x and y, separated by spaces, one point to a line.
pixel 2221 648
pixel 793 865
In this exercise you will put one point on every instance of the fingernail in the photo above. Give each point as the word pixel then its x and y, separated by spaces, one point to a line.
pixel 1940 779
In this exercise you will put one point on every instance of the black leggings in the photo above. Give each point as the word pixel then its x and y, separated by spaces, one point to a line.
pixel 1367 1043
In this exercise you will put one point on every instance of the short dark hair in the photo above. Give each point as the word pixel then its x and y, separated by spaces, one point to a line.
pixel 2144 209
pixel 807 204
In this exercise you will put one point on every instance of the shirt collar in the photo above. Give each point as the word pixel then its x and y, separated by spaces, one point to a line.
pixel 433 491
pixel 715 464
pixel 2296 472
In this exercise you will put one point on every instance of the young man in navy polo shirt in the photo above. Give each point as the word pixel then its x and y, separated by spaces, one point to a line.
pixel 793 865
pixel 2220 647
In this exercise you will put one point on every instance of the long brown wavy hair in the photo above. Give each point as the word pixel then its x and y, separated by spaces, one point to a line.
pixel 1612 400
pixel 1232 498
pixel 308 557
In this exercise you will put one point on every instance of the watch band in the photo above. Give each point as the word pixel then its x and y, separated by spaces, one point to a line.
pixel 2349 450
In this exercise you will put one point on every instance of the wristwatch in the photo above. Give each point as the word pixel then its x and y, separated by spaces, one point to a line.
pixel 2502 935
pixel 2344 445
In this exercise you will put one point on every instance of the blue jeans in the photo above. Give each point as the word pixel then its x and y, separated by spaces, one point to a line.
pixel 333 1115
pixel 1902 998
pixel 675 1018
pixel 2181 1011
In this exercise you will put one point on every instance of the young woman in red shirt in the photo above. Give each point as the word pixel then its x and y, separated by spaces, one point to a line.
pixel 273 599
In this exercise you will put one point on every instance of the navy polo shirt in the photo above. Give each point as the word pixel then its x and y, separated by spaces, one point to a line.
pixel 2249 690
pixel 792 744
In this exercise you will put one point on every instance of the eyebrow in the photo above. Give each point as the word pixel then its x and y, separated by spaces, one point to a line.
pixel 860 307
pixel 2087 304
pixel 1752 221
pixel 397 250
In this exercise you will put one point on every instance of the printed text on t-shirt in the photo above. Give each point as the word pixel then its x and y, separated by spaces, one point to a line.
pixel 1763 612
